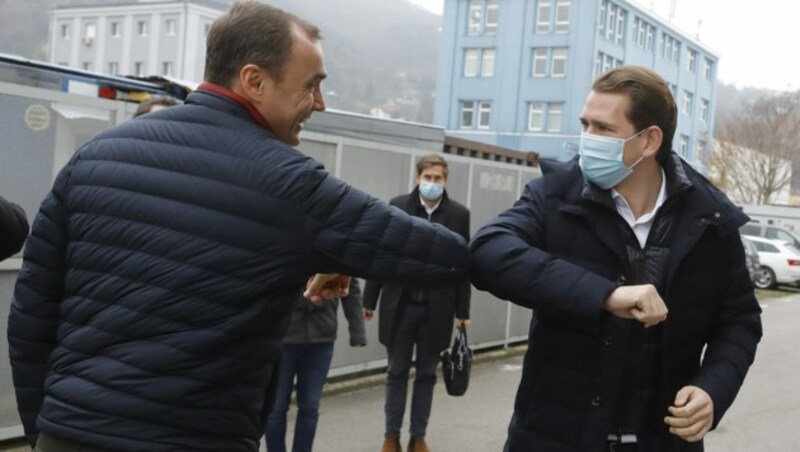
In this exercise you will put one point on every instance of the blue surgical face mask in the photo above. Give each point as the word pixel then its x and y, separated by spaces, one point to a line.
pixel 430 190
pixel 601 159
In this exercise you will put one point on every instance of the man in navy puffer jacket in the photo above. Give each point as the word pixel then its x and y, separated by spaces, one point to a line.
pixel 163 266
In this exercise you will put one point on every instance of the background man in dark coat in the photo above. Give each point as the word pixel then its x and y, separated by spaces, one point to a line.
pixel 13 228
pixel 413 316
pixel 633 265
pixel 162 268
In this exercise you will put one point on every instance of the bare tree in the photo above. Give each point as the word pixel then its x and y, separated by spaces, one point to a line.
pixel 755 147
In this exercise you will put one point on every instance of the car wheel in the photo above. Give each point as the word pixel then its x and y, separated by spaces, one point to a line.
pixel 765 278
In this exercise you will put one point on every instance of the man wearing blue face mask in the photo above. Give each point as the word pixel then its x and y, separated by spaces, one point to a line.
pixel 414 317
pixel 645 321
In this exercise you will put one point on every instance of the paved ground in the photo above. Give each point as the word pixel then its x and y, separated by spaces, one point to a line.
pixel 765 417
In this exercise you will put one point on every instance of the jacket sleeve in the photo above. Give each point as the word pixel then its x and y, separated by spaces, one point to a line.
pixel 13 228
pixel 372 291
pixel 509 259
pixel 351 304
pixel 734 335
pixel 356 234
pixel 464 288
pixel 34 313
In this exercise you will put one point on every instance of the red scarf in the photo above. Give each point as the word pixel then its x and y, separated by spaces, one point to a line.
pixel 225 92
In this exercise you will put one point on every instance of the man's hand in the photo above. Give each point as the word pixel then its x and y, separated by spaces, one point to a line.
pixel 462 323
pixel 368 314
pixel 324 286
pixel 642 303
pixel 692 414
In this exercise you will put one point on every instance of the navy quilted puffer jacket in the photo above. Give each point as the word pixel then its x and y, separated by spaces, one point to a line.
pixel 162 268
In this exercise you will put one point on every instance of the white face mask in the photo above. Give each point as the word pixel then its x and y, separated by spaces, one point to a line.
pixel 601 159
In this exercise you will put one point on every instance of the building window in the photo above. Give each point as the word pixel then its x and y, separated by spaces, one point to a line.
pixel 206 29
pixel 484 114
pixel 487 63
pixel 671 49
pixel 65 31
pixel 562 16
pixel 704 110
pixel 166 68
pixel 555 113
pixel 492 13
pixel 483 17
pixel 674 89
pixel 475 17
pixel 559 62
pixel 479 61
pixel 471 62
pixel 116 29
pixel 171 26
pixel 89 33
pixel 87 66
pixel 543 16
pixel 683 146
pixel 642 34
pixel 691 60
pixel 612 21
pixel 536 116
pixel 619 36
pixel 467 114
pixel 700 149
pixel 63 63
pixel 605 63
pixel 687 102
pixel 707 69
pixel 142 28
pixel 113 68
pixel 539 62
pixel 138 68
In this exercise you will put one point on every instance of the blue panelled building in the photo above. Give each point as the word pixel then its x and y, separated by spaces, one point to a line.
pixel 515 73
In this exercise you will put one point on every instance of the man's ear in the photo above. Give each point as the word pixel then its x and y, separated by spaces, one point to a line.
pixel 653 139
pixel 251 82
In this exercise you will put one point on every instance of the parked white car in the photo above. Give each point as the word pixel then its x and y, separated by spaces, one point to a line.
pixel 780 263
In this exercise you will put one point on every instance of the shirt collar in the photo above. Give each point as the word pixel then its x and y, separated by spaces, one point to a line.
pixel 227 93
pixel 621 202
pixel 430 210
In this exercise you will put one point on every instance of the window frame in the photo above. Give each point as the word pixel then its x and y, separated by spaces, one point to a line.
pixel 492 9
pixel 467 106
pixel 541 113
pixel 488 62
pixel 560 54
pixel 553 109
pixel 484 111
pixel 562 26
pixel 544 59
pixel 544 27
pixel 476 53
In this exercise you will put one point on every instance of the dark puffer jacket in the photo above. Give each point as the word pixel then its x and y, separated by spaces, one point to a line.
pixel 162 268
pixel 561 252
pixel 13 228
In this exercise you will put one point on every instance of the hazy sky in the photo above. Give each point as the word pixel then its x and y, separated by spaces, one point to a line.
pixel 752 38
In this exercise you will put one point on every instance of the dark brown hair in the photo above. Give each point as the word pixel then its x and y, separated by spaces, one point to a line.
pixel 430 160
pixel 146 106
pixel 251 33
pixel 651 101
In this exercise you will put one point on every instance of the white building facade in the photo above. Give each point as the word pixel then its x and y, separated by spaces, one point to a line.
pixel 140 38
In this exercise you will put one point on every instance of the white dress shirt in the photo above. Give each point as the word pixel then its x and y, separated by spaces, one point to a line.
pixel 641 226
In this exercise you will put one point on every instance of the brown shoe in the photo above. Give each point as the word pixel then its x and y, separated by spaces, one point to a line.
pixel 418 445
pixel 391 444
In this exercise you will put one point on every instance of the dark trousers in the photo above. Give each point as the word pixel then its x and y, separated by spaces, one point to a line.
pixel 412 331
pixel 310 363
pixel 50 443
